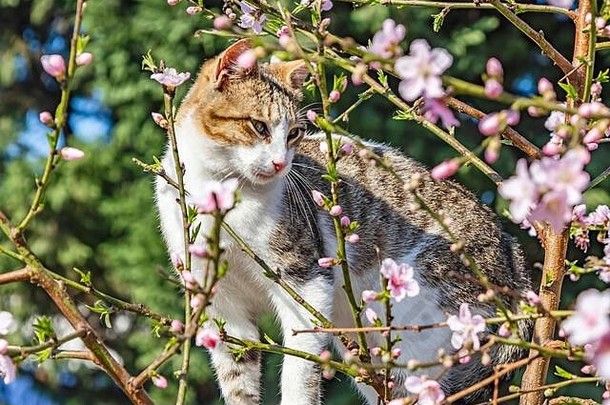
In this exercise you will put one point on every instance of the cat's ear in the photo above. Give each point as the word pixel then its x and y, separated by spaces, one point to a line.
pixel 293 73
pixel 227 64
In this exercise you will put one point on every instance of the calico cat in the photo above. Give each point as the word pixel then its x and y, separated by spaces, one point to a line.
pixel 246 124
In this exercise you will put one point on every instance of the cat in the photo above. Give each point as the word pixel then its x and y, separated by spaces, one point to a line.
pixel 246 123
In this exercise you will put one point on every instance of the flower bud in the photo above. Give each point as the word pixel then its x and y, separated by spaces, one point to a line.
pixel 325 355
pixel 84 59
pixel 194 10
pixel 494 67
pixel 353 238
pixel 70 153
pixel 54 65
pixel 490 125
pixel 375 351
pixel 247 59
pixel 172 2
pixel 326 262
pixel 345 221
pixel 318 198
pixel 3 346
pixel 593 136
pixel 159 381
pixel 335 210
pixel 312 116
pixel 369 296
pixel 551 149
pixel 334 96
pixel 46 118
pixel 347 148
pixel 512 117
pixel 176 326
pixel 493 88
pixel 222 22
pixel 545 86
pixel 445 169
pixel 198 251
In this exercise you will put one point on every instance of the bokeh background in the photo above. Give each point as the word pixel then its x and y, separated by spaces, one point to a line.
pixel 99 213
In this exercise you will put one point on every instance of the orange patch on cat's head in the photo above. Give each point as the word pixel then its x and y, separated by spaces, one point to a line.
pixel 226 96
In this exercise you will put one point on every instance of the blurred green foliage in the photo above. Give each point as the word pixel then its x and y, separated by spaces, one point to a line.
pixel 99 213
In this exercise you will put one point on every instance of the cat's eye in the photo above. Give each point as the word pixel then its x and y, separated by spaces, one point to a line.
pixel 260 127
pixel 294 133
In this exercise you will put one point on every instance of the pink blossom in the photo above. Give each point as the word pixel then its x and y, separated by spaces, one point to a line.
pixel 217 196
pixel 490 124
pixel 192 10
pixel 551 149
pixel 326 262
pixel 353 238
pixel 334 96
pixel 420 71
pixel 176 326
pixel 173 2
pixel 554 208
pixel 346 148
pixel 599 217
pixel 493 88
pixel 565 174
pixel 325 6
pixel 222 22
pixel 375 351
pixel 207 337
pixel 170 77
pixel 465 328
pixel 198 250
pixel 70 153
pixel 176 259
pixel 84 59
pixel 369 296
pixel 590 321
pixel 159 119
pixel 429 392
pixel 504 330
pixel 326 355
pixel 522 192
pixel 47 119
pixel 435 108
pixel 345 221
pixel 555 120
pixel 159 381
pixel 493 67
pixel 396 352
pixel 400 279
pixel 545 88
pixel 7 322
pixel 532 298
pixel 594 135
pixel 386 42
pixel 54 65
pixel 371 316
pixel 318 198
pixel 7 369
pixel 599 356
pixel 335 210
pixel 196 301
pixel 312 116
pixel 251 17
pixel 188 279
pixel 445 169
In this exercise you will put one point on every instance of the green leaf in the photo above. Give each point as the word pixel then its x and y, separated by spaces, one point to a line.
pixel 560 372
pixel 85 276
pixel 439 19
pixel 44 354
pixel 570 90
pixel 603 77
pixel 81 43
pixel 148 63
pixel 43 329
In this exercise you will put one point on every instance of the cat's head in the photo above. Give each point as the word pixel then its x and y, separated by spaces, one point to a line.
pixel 249 115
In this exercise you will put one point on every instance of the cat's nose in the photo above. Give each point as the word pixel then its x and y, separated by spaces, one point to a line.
pixel 278 165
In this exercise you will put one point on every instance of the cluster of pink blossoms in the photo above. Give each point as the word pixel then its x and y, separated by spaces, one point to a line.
pixel 548 189
pixel 8 371
pixel 597 221
pixel 590 327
